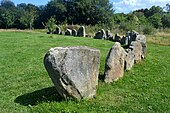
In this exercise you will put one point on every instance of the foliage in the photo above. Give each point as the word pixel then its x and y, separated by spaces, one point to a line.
pixel 155 20
pixel 27 15
pixel 51 24
pixel 81 12
pixel 166 21
pixel 148 29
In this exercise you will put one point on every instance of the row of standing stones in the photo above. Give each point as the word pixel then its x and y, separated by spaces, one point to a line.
pixel 74 70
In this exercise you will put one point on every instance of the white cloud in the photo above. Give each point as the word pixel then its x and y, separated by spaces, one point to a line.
pixel 127 6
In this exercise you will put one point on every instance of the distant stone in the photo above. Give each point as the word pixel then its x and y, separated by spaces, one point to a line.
pixel 117 38
pixel 81 32
pixel 132 34
pixel 129 60
pixel 58 30
pixel 103 34
pixel 100 34
pixel 62 33
pixel 74 70
pixel 114 67
pixel 126 41
pixel 109 35
pixel 68 32
pixel 137 49
pixel 74 32
pixel 142 40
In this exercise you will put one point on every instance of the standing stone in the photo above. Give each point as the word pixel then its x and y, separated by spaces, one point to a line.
pixel 103 34
pixel 100 34
pixel 68 32
pixel 62 33
pixel 114 67
pixel 73 70
pixel 58 30
pixel 81 32
pixel 129 60
pixel 142 40
pixel 74 32
pixel 117 38
pixel 137 49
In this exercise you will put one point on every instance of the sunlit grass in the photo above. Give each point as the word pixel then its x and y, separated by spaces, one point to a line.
pixel 26 87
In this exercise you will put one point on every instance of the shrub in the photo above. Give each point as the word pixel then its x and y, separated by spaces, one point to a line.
pixel 149 30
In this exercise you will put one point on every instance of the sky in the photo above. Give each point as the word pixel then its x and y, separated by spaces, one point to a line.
pixel 120 6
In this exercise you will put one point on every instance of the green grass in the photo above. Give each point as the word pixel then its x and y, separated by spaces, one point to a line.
pixel 26 87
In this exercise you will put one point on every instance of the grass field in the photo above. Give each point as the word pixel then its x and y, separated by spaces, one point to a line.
pixel 26 87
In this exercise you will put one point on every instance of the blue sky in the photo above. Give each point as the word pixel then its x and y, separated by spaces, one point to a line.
pixel 124 6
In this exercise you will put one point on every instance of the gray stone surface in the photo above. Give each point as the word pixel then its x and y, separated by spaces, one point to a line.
pixel 129 60
pixel 114 67
pixel 58 30
pixel 68 32
pixel 103 34
pixel 81 32
pixel 74 32
pixel 117 38
pixel 100 34
pixel 137 49
pixel 73 70
pixel 142 40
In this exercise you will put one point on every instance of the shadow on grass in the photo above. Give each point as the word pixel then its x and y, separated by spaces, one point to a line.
pixel 44 95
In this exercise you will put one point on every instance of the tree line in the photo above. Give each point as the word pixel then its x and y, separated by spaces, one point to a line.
pixel 82 12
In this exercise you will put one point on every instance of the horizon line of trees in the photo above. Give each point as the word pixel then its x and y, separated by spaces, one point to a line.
pixel 82 12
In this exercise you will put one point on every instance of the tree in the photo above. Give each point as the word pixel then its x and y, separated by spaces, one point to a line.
pixel 51 24
pixel 7 13
pixel 155 20
pixel 6 18
pixel 57 9
pixel 27 14
pixel 93 11
pixel 168 8
pixel 153 10
pixel 7 4
pixel 166 21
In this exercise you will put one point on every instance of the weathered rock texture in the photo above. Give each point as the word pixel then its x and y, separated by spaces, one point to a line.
pixel 73 70
pixel 137 50
pixel 129 59
pixel 81 31
pixel 114 67
pixel 142 40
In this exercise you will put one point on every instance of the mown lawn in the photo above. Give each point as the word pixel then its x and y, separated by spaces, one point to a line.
pixel 26 87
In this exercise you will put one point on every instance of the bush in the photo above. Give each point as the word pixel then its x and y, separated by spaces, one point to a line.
pixel 149 30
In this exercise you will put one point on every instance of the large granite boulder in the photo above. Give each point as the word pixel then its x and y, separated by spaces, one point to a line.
pixel 137 50
pixel 73 70
pixel 114 67
pixel 81 32
pixel 142 40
